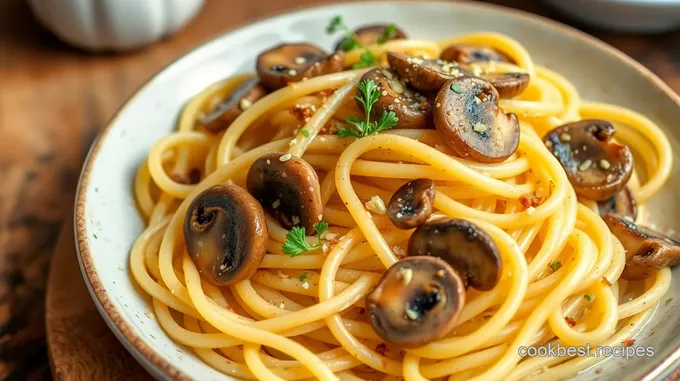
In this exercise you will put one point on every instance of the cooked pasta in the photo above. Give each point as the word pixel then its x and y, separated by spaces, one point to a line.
pixel 307 316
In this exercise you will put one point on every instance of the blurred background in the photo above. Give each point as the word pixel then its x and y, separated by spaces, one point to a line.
pixel 55 98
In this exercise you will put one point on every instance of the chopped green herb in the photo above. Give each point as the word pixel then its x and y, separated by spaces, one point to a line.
pixel 554 266
pixel 456 88
pixel 296 240
pixel 588 297
pixel 94 235
pixel 388 33
pixel 351 41
pixel 303 277
pixel 362 128
pixel 305 133
pixel 667 301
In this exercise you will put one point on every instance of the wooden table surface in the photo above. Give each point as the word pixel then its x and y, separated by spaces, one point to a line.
pixel 54 100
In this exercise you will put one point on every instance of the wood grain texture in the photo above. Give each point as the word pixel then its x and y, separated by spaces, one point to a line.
pixel 53 101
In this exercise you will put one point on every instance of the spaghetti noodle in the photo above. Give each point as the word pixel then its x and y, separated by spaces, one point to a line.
pixel 304 316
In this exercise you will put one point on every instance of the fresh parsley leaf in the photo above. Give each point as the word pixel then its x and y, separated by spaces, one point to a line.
pixel 667 301
pixel 366 59
pixel 554 266
pixel 303 277
pixel 335 24
pixel 368 97
pixel 296 240
pixel 94 235
pixel 349 43
pixel 588 297
pixel 388 33
pixel 305 133
pixel 456 88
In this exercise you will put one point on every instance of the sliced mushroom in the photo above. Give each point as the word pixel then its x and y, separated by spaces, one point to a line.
pixel 508 85
pixel 224 113
pixel 470 122
pixel 225 234
pixel 417 301
pixel 464 246
pixel 597 167
pixel 288 189
pixel 411 204
pixel 647 251
pixel 413 109
pixel 369 35
pixel 466 54
pixel 622 203
pixel 422 73
pixel 286 63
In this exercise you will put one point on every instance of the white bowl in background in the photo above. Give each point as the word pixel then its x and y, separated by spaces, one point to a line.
pixel 639 16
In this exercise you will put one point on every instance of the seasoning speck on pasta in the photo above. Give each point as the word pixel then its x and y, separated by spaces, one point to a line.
pixel 401 208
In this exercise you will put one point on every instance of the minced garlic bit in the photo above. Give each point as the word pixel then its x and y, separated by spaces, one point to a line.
pixel 399 215
pixel 585 165
pixel 396 86
pixel 398 250
pixel 387 74
pixel 269 161
pixel 406 275
pixel 376 205
pixel 285 157
pixel 283 275
pixel 320 217
pixel 282 305
pixel 479 127
pixel 384 93
pixel 610 177
pixel 565 137
pixel 296 220
pixel 292 72
pixel 305 286
pixel 604 164
pixel 330 236
pixel 531 210
pixel 300 60
pixel 276 203
pixel 325 248
pixel 411 314
pixel 244 104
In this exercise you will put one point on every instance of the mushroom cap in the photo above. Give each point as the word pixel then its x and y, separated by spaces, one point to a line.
pixel 470 122
pixel 466 54
pixel 597 167
pixel 423 73
pixel 225 234
pixel 411 204
pixel 369 35
pixel 464 246
pixel 219 117
pixel 288 189
pixel 413 109
pixel 622 204
pixel 647 251
pixel 417 301
pixel 286 63
pixel 508 85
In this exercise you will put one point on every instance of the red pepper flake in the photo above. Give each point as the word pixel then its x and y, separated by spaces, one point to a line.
pixel 570 321
pixel 529 200
pixel 362 311
pixel 381 348
pixel 629 342
pixel 302 112
pixel 326 93
pixel 606 281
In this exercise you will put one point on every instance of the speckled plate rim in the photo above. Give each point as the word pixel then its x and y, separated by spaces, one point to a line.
pixel 127 335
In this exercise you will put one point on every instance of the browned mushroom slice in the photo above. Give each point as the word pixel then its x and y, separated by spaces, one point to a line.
pixel 622 203
pixel 646 250
pixel 597 167
pixel 508 85
pixel 464 246
pixel 371 34
pixel 466 54
pixel 224 113
pixel 411 204
pixel 413 109
pixel 288 189
pixel 286 63
pixel 470 122
pixel 422 73
pixel 225 234
pixel 417 301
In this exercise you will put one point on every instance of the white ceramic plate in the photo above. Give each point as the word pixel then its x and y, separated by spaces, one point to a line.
pixel 107 221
